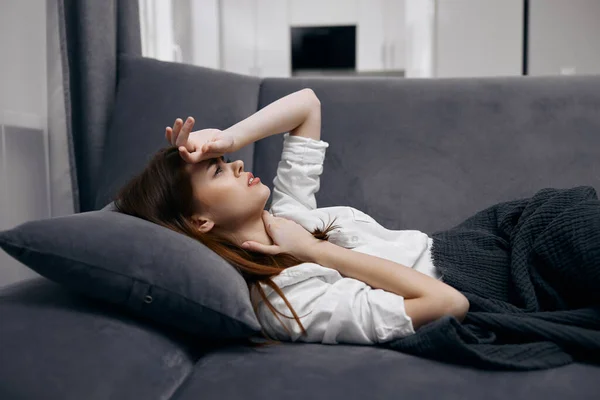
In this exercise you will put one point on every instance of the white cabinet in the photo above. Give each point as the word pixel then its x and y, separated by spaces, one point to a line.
pixel 255 34
pixel 371 46
pixel 255 37
pixel 395 25
pixel 419 31
pixel 380 35
pixel 273 50
pixel 238 36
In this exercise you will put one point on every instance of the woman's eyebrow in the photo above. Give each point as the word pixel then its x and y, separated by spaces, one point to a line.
pixel 213 161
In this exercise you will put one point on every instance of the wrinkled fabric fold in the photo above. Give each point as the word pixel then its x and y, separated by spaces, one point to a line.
pixel 531 271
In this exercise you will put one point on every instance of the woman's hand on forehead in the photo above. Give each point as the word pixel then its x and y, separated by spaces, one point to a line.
pixel 200 145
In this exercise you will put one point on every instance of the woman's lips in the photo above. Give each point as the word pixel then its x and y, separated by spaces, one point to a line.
pixel 255 181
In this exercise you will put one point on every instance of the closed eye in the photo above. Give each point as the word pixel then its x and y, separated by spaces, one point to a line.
pixel 219 168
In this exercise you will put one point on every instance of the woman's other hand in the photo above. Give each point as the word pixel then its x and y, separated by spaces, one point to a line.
pixel 200 145
pixel 288 237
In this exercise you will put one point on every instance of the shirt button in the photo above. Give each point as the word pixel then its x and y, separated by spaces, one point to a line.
pixel 148 299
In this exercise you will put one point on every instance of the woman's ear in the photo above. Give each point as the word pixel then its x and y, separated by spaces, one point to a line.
pixel 203 224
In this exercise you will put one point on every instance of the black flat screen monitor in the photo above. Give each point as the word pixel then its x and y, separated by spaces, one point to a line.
pixel 324 47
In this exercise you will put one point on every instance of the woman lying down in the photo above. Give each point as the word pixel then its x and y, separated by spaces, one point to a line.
pixel 490 280
pixel 322 270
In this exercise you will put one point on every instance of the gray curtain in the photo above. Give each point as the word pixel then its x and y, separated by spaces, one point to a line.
pixel 92 34
pixel 61 190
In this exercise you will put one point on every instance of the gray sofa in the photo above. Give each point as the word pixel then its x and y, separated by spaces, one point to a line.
pixel 414 154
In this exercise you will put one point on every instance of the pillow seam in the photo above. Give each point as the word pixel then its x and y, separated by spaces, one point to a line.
pixel 23 248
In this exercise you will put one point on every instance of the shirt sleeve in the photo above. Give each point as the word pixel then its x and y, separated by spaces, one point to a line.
pixel 346 311
pixel 298 174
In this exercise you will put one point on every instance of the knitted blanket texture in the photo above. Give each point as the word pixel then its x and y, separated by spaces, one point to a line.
pixel 530 269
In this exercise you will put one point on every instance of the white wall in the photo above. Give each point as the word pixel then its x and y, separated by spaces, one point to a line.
pixel 563 37
pixel 238 36
pixel 23 122
pixel 205 39
pixel 156 28
pixel 275 57
pixel 420 38
pixel 479 38
pixel 23 65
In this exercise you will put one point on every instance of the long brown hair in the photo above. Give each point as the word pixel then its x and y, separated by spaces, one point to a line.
pixel 162 193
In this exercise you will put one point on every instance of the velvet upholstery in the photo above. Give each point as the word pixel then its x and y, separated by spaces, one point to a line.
pixel 414 154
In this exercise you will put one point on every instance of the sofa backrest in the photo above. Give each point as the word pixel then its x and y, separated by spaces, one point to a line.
pixel 427 154
pixel 412 153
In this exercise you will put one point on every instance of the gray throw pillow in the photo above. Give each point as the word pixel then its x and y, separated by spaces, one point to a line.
pixel 148 269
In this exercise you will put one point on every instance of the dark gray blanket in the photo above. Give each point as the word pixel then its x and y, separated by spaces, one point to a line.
pixel 531 271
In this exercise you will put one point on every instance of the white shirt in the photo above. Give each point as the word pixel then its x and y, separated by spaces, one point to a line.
pixel 333 308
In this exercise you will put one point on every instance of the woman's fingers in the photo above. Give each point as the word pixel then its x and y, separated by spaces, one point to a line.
pixel 176 128
pixel 188 157
pixel 206 156
pixel 168 134
pixel 261 248
pixel 184 154
pixel 182 137
pixel 195 156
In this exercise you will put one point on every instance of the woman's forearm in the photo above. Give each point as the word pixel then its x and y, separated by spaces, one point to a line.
pixel 280 116
pixel 425 298
pixel 380 273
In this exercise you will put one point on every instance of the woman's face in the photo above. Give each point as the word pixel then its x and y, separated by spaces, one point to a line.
pixel 222 195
